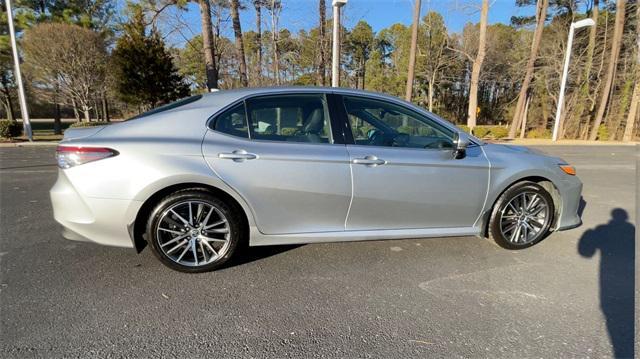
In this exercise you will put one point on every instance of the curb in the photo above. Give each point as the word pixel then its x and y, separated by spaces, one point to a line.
pixel 28 144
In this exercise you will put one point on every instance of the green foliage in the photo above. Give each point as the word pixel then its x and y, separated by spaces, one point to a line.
pixel 406 129
pixel 80 124
pixel 288 131
pixel 539 133
pixel 495 132
pixel 143 68
pixel 603 133
pixel 10 129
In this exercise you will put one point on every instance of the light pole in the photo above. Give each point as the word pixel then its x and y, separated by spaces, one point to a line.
pixel 335 60
pixel 565 71
pixel 26 123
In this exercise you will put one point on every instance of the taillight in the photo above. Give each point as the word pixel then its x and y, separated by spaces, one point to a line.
pixel 70 156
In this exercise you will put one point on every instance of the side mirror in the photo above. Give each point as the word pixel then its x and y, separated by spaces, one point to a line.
pixel 460 142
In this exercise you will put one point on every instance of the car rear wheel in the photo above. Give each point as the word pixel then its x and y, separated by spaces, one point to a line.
pixel 521 216
pixel 193 231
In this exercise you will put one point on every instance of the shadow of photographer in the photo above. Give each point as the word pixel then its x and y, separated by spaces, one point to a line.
pixel 615 241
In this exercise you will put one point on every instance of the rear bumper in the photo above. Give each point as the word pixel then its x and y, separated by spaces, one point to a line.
pixel 98 220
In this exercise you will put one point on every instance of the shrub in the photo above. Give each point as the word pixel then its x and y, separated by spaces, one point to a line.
pixel 464 128
pixel 481 131
pixel 89 124
pixel 539 133
pixel 10 129
pixel 499 132
pixel 603 133
pixel 405 129
pixel 426 131
pixel 288 131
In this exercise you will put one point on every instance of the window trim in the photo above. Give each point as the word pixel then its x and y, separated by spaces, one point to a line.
pixel 352 142
pixel 334 120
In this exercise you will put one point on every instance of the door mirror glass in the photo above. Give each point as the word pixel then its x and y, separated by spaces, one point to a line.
pixel 461 141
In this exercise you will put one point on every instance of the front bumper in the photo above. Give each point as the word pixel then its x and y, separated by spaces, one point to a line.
pixel 98 220
pixel 571 196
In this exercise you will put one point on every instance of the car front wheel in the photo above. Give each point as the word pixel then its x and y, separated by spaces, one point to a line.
pixel 193 231
pixel 521 216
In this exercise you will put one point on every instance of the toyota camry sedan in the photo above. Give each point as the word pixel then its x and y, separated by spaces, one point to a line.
pixel 199 178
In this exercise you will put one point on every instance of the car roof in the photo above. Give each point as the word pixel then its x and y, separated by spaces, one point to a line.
pixel 232 95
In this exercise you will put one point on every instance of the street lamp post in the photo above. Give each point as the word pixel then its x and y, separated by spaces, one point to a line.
pixel 565 71
pixel 26 123
pixel 335 60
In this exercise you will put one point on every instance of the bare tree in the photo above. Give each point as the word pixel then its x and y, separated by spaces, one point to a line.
pixel 68 58
pixel 237 31
pixel 477 65
pixel 518 114
pixel 322 9
pixel 412 51
pixel 611 67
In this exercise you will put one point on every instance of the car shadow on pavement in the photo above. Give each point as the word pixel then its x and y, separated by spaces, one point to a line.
pixel 252 254
pixel 615 240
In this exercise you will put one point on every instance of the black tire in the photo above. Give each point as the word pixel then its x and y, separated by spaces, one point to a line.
pixel 495 229
pixel 233 223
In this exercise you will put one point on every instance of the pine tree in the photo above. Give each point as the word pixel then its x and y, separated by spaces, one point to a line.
pixel 143 68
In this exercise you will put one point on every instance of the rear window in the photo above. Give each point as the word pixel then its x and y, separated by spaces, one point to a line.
pixel 167 107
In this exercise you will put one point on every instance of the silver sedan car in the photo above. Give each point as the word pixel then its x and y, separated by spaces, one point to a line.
pixel 199 178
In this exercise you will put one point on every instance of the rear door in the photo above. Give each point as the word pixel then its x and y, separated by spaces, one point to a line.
pixel 404 174
pixel 281 155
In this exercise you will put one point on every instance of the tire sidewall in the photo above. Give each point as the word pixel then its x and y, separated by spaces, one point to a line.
pixel 495 232
pixel 193 195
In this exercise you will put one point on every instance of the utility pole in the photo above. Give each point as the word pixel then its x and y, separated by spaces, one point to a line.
pixel 565 72
pixel 26 123
pixel 412 52
pixel 335 63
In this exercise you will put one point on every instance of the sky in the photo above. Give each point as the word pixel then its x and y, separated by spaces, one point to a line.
pixel 303 14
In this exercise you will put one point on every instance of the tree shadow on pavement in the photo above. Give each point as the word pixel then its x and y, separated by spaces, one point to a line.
pixel 615 240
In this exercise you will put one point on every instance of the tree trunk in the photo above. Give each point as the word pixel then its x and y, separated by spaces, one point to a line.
pixel 274 38
pixel 613 62
pixel 525 112
pixel 541 14
pixel 9 107
pixel 57 125
pixel 237 32
pixel 105 109
pixel 572 127
pixel 431 88
pixel 477 65
pixel 76 113
pixel 412 51
pixel 258 7
pixel 87 113
pixel 322 8
pixel 635 98
pixel 207 45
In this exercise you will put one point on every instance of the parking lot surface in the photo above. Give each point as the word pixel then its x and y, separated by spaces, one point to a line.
pixel 572 295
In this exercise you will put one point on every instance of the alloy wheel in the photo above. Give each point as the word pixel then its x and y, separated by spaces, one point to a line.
pixel 524 217
pixel 193 233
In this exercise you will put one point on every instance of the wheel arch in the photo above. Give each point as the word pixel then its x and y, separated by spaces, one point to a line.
pixel 544 182
pixel 137 228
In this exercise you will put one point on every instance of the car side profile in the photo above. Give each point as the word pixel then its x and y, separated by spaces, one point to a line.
pixel 198 178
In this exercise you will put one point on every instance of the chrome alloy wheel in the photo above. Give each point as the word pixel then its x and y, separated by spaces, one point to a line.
pixel 524 217
pixel 193 233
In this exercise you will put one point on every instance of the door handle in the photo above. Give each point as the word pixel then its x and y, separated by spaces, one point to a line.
pixel 238 156
pixel 370 161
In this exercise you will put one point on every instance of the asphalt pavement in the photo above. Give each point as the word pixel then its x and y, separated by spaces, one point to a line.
pixel 572 295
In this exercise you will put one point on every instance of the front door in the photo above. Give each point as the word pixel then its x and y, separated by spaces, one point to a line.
pixel 404 174
pixel 279 154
